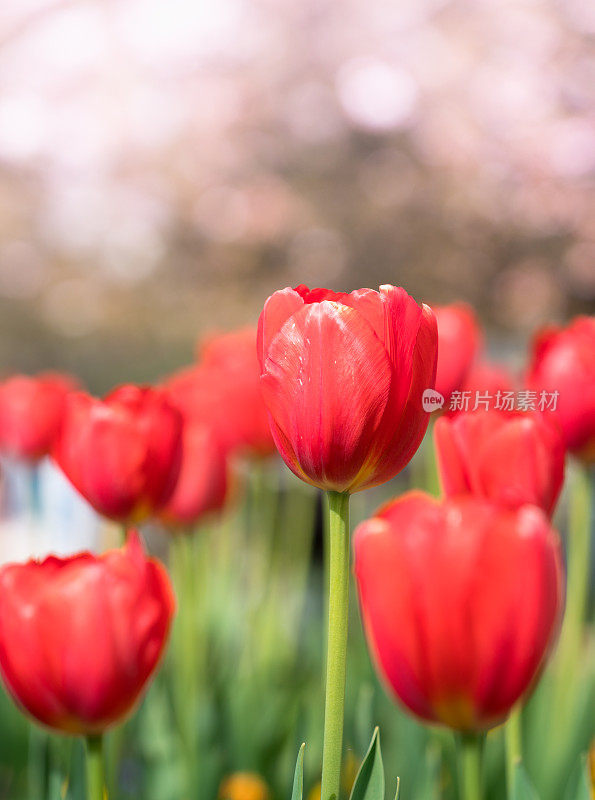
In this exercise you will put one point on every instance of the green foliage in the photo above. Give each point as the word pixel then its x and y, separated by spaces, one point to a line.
pixel 297 792
pixel 259 627
pixel 369 783
pixel 579 784
pixel 522 788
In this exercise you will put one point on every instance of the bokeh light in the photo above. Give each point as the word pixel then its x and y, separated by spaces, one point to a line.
pixel 163 167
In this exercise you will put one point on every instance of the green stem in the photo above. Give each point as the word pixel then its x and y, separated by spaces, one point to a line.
pixel 513 735
pixel 338 613
pixel 95 769
pixel 432 476
pixel 185 648
pixel 56 767
pixel 579 536
pixel 36 762
pixel 470 766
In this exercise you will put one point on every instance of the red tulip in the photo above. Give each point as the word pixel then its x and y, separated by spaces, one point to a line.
pixel 343 377
pixel 563 361
pixel 80 637
pixel 509 459
pixel 461 602
pixel 459 341
pixel 232 356
pixel 31 411
pixel 224 389
pixel 487 386
pixel 488 378
pixel 122 453
pixel 201 487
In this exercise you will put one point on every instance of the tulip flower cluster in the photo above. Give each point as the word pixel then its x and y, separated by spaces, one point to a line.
pixel 462 596
pixel 81 637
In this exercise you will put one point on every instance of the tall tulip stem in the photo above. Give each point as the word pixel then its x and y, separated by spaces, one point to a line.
pixel 513 735
pixel 578 567
pixel 338 613
pixel 95 769
pixel 470 766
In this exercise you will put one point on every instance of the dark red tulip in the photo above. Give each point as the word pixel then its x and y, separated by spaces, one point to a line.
pixel 202 484
pixel 563 361
pixel 511 459
pixel 122 453
pixel 80 637
pixel 459 342
pixel 461 602
pixel 343 377
pixel 31 409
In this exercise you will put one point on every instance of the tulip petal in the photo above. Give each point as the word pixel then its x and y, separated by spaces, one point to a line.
pixel 563 363
pixel 103 455
pixel 326 382
pixel 388 593
pixel 522 463
pixel 509 459
pixel 122 454
pixel 459 340
pixel 277 310
pixel 461 602
pixel 403 428
pixel 80 637
pixel 454 478
pixel 22 657
pixel 516 625
pixel 202 484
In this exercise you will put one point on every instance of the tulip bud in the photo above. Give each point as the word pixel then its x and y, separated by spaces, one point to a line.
pixel 461 602
pixel 223 390
pixel 80 637
pixel 121 453
pixel 343 377
pixel 489 380
pixel 459 341
pixel 232 358
pixel 31 411
pixel 202 483
pixel 510 459
pixel 563 364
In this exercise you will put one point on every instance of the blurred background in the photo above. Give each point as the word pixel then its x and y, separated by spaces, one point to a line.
pixel 164 166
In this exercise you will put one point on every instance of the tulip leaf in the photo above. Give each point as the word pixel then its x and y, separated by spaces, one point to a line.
pixel 522 788
pixel 298 779
pixel 578 788
pixel 369 783
pixel 364 715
